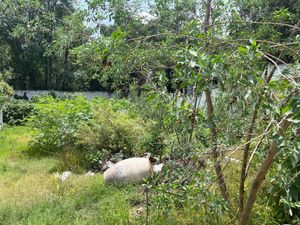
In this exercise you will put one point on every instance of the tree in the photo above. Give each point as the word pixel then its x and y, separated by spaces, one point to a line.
pixel 30 31
pixel 203 53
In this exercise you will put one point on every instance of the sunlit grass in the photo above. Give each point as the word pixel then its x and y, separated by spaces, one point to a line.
pixel 31 193
pixel 79 200
pixel 13 140
pixel 23 180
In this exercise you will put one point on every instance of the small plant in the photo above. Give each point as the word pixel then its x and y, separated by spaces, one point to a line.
pixel 154 141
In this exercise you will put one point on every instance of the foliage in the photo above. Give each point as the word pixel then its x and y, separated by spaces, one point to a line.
pixel 5 90
pixel 36 37
pixel 83 132
pixel 16 112
pixel 284 177
pixel 154 141
pixel 179 185
pixel 110 132
pixel 181 53
pixel 202 59
pixel 56 122
pixel 30 192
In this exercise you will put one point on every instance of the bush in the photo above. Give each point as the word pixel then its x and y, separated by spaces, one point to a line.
pixel 56 121
pixel 17 111
pixel 154 141
pixel 110 132
pixel 179 187
pixel 83 132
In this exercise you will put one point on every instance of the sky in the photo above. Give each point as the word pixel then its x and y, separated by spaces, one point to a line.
pixel 81 4
pixel 143 14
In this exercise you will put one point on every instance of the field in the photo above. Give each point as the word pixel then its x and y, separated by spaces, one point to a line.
pixel 30 192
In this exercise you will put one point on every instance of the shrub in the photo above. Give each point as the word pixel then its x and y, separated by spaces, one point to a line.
pixel 110 132
pixel 116 105
pixel 17 111
pixel 56 121
pixel 83 132
pixel 179 187
pixel 154 140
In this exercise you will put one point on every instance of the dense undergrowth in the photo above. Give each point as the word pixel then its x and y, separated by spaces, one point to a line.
pixel 211 88
pixel 31 193
pixel 83 132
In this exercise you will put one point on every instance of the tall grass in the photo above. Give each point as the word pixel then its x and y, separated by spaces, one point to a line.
pixel 31 193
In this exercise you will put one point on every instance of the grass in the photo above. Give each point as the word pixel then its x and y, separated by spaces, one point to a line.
pixel 13 141
pixel 80 200
pixel 30 193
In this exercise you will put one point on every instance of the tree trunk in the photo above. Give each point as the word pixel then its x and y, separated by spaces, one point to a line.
pixel 215 153
pixel 244 216
pixel 1 118
pixel 246 155
pixel 66 71
pixel 247 146
pixel 213 130
pixel 47 74
pixel 260 176
pixel 193 116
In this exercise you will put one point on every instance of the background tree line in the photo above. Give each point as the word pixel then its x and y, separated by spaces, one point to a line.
pixel 47 44
pixel 35 40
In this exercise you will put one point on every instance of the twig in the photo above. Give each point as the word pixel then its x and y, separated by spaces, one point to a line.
pixel 256 147
pixel 266 55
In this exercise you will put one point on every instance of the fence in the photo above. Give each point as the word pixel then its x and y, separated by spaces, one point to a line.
pixel 88 94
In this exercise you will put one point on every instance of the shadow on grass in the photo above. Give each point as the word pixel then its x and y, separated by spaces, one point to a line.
pixel 34 152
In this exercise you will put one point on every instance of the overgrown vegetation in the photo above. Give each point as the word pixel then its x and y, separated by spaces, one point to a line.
pixel 30 193
pixel 84 132
pixel 6 91
pixel 17 111
pixel 110 132
pixel 56 122
pixel 212 90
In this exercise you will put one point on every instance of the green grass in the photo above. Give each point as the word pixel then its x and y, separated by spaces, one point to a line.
pixel 13 140
pixel 80 200
pixel 30 192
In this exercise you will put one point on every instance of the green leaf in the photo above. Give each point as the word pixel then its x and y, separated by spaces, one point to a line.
pixel 242 50
pixel 193 64
pixel 296 121
pixel 253 42
pixel 193 52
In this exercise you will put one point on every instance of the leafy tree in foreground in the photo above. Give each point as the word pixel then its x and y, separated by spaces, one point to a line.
pixel 234 53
